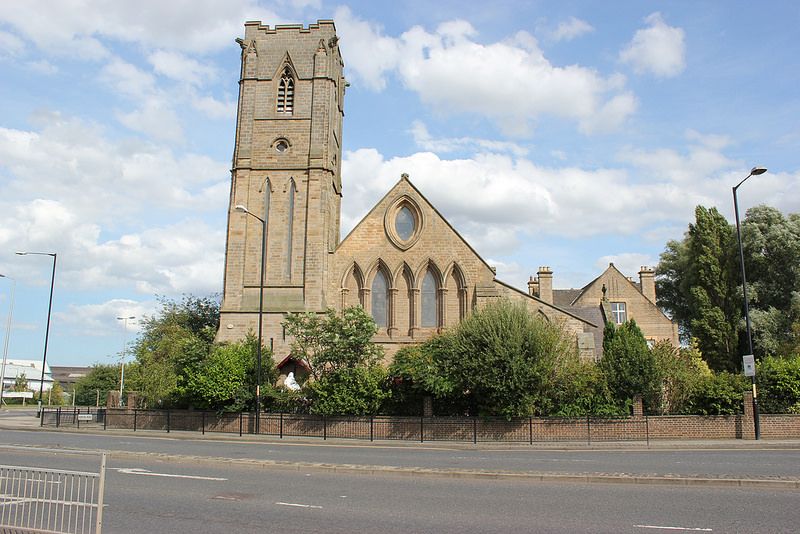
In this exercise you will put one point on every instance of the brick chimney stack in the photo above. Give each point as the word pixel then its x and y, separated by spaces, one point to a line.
pixel 545 284
pixel 647 279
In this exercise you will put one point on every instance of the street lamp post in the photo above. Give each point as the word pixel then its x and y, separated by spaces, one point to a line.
pixel 243 209
pixel 8 335
pixel 49 313
pixel 122 362
pixel 755 171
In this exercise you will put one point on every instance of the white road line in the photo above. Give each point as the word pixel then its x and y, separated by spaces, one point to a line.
pixel 298 505
pixel 145 472
pixel 693 529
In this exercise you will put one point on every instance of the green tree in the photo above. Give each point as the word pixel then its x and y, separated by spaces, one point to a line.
pixel 98 381
pixel 630 366
pixel 331 342
pixel 56 394
pixel 225 379
pixel 503 359
pixel 683 371
pixel 20 383
pixel 699 286
pixel 772 256
pixel 425 370
pixel 172 343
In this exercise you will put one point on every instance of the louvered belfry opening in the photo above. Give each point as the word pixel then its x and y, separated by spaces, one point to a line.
pixel 286 92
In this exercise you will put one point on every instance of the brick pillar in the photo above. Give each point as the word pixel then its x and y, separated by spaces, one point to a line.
pixel 748 421
pixel 638 407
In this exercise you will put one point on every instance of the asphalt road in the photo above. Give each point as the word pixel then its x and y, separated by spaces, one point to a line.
pixel 145 494
pixel 733 463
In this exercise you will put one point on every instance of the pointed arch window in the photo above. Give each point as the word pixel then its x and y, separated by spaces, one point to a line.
pixel 267 190
pixel 290 230
pixel 286 92
pixel 380 300
pixel 430 301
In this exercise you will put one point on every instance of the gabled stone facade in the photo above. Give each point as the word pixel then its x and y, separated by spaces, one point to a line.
pixel 611 297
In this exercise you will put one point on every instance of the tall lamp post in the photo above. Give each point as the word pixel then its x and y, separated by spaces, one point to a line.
pixel 124 348
pixel 263 222
pixel 8 335
pixel 755 171
pixel 49 312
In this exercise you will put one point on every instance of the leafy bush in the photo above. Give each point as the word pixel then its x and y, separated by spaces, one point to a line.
pixel 348 391
pixel 779 384
pixel 284 400
pixel 718 394
pixel 580 389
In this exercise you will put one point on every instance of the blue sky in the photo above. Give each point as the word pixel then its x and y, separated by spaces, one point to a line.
pixel 568 134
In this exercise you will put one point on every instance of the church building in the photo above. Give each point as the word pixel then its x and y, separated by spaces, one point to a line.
pixel 403 262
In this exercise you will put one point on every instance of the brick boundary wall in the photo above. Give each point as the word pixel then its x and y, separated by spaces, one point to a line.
pixel 637 427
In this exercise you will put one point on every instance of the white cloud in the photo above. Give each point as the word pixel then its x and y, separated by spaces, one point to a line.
pixel 495 200
pixel 182 68
pixel 156 119
pixel 426 141
pixel 369 54
pixel 628 263
pixel 127 79
pixel 78 27
pixel 101 319
pixel 659 49
pixel 510 82
pixel 75 162
pixel 213 108
pixel 570 29
pixel 10 44
pixel 43 67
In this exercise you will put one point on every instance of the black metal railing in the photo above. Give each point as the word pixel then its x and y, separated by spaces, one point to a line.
pixel 462 429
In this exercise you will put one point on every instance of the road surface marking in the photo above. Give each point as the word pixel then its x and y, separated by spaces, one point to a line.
pixel 693 529
pixel 145 472
pixel 298 505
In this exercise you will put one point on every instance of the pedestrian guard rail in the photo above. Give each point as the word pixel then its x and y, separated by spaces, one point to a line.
pixel 51 501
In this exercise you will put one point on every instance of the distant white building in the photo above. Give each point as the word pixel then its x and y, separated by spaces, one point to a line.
pixel 33 373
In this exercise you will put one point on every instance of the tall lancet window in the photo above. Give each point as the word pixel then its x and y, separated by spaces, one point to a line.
pixel 429 300
pixel 286 92
pixel 380 300
pixel 264 241
pixel 290 231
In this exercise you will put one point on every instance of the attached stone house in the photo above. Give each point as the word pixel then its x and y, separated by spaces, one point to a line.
pixel 404 262
pixel 611 298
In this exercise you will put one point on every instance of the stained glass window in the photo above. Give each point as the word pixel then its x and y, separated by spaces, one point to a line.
pixel 404 223
pixel 429 315
pixel 380 300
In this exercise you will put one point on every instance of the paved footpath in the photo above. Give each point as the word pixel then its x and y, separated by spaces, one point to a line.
pixel 483 460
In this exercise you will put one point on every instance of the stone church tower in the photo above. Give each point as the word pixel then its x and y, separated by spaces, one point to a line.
pixel 403 263
pixel 286 171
